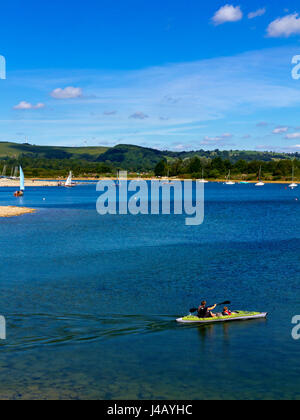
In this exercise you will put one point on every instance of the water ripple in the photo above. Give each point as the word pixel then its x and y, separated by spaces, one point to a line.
pixel 28 331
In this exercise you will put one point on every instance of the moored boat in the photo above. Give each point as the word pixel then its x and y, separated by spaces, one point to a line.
pixel 293 185
pixel 260 183
pixel 69 183
pixel 229 182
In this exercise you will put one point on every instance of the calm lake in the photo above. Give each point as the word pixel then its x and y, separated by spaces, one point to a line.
pixel 91 301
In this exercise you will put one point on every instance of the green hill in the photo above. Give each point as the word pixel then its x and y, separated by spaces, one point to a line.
pixel 54 161
pixel 15 150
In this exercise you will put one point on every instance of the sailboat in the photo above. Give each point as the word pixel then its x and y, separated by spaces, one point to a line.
pixel 118 179
pixel 16 173
pixel 260 183
pixel 229 182
pixel 68 183
pixel 22 184
pixel 4 171
pixel 293 184
pixel 202 181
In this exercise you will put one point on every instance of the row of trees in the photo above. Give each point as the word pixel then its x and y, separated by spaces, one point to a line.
pixel 216 168
pixel 54 168
pixel 219 168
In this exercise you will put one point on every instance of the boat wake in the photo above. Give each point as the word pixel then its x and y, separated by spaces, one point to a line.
pixel 30 331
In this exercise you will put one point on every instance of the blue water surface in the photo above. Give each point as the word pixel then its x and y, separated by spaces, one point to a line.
pixel 91 301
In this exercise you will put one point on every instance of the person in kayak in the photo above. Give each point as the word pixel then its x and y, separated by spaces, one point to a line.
pixel 206 312
pixel 226 312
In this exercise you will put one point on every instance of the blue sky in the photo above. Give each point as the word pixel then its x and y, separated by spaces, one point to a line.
pixel 166 74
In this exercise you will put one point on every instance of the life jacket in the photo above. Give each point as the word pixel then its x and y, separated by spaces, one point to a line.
pixel 227 313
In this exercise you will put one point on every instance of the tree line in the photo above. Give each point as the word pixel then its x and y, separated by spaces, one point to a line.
pixel 193 167
pixel 219 168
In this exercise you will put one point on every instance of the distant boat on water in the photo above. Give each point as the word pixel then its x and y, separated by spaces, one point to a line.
pixel 4 171
pixel 229 182
pixel 69 182
pixel 293 184
pixel 16 173
pixel 22 184
pixel 202 181
pixel 260 183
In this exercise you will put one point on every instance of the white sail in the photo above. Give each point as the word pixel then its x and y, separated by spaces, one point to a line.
pixel 260 183
pixel 203 180
pixel 69 180
pixel 293 184
pixel 229 182
pixel 22 180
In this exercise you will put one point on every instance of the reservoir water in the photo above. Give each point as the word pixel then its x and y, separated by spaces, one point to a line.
pixel 91 301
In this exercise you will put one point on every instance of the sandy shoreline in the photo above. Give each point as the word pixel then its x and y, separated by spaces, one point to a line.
pixel 10 183
pixel 11 211
pixel 15 183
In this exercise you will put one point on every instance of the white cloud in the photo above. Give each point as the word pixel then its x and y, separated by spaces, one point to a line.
pixel 257 13
pixel 281 130
pixel 23 105
pixel 243 88
pixel 293 136
pixel 228 13
pixel 218 138
pixel 67 93
pixel 284 27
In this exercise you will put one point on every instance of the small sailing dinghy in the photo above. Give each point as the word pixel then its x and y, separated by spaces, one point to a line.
pixel 22 184
pixel 203 180
pixel 229 182
pixel 69 183
pixel 293 184
pixel 260 183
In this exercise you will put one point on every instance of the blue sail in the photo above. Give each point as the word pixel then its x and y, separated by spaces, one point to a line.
pixel 22 180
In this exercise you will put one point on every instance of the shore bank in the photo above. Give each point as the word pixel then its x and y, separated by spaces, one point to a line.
pixel 11 183
pixel 219 181
pixel 15 183
pixel 11 211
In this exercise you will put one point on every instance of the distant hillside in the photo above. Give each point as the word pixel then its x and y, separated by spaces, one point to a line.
pixel 129 156
pixel 53 161
pixel 15 150
pixel 132 158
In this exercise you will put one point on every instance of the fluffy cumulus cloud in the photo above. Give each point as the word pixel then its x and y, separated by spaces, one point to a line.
pixel 257 13
pixel 227 13
pixel 242 90
pixel 67 93
pixel 23 106
pixel 284 27
pixel 139 116
pixel 281 130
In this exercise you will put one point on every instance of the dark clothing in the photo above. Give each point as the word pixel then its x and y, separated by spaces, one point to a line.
pixel 203 312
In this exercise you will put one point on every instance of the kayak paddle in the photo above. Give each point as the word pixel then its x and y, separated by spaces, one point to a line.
pixel 227 302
